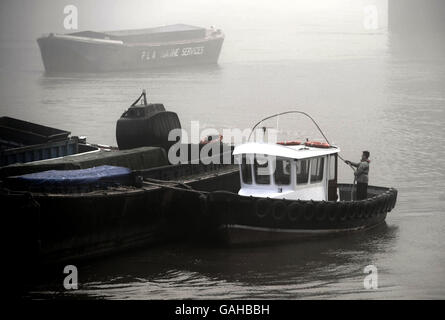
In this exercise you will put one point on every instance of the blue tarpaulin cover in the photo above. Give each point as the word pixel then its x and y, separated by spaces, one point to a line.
pixel 96 175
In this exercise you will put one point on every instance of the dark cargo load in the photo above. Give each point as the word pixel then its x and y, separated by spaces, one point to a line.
pixel 38 152
pixel 146 125
pixel 135 159
pixel 71 180
pixel 22 133
pixel 161 34
pixel 23 141
pixel 151 35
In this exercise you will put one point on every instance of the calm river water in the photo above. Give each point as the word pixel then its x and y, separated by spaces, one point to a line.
pixel 363 90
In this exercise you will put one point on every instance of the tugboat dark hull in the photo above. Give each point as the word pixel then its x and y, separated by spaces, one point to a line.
pixel 246 220
pixel 69 53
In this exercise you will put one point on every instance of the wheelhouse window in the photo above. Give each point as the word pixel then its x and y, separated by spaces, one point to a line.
pixel 246 169
pixel 261 170
pixel 302 171
pixel 282 172
pixel 317 165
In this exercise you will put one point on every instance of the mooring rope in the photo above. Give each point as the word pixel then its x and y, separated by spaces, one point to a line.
pixel 169 181
pixel 168 185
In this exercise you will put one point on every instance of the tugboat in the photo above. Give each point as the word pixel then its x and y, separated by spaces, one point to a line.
pixel 288 190
pixel 165 46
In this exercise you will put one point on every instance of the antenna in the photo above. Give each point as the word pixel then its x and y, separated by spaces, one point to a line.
pixel 287 112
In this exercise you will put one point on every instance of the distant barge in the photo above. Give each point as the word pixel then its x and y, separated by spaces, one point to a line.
pixel 89 51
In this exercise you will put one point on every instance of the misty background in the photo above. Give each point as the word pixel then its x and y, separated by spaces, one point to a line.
pixel 255 29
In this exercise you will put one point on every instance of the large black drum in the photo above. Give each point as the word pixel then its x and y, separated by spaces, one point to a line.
pixel 146 125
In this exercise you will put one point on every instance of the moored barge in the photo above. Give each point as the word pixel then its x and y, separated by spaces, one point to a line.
pixel 89 204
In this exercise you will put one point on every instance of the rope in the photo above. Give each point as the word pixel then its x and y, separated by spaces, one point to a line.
pixel 346 163
pixel 167 186
pixel 168 181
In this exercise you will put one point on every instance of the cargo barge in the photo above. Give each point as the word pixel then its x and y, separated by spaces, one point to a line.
pixel 69 207
pixel 167 46
pixel 23 142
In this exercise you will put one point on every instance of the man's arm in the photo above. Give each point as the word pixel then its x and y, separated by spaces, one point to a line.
pixel 354 164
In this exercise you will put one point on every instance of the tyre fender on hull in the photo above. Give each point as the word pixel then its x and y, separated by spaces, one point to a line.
pixel 359 207
pixel 381 203
pixel 309 212
pixel 388 201
pixel 395 192
pixel 321 211
pixel 279 210
pixel 295 211
pixel 373 207
pixel 352 212
pixel 332 211
pixel 367 208
pixel 263 207
pixel 342 210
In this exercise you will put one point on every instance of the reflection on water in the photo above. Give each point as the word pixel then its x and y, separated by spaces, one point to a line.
pixel 325 267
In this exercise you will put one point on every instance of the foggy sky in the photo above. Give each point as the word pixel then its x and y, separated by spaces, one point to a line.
pixel 28 19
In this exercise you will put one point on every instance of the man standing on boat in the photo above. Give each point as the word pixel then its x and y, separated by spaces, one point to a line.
pixel 361 175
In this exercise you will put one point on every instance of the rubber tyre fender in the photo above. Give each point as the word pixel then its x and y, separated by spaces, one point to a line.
pixel 263 207
pixel 295 211
pixel 386 201
pixel 395 192
pixel 367 208
pixel 279 210
pixel 309 212
pixel 352 212
pixel 359 207
pixel 342 210
pixel 320 211
pixel 332 211
pixel 373 207
pixel 381 203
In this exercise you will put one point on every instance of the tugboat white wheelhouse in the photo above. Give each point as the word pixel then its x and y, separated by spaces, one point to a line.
pixel 294 172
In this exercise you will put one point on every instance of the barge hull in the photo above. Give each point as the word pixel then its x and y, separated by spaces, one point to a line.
pixel 49 228
pixel 75 54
